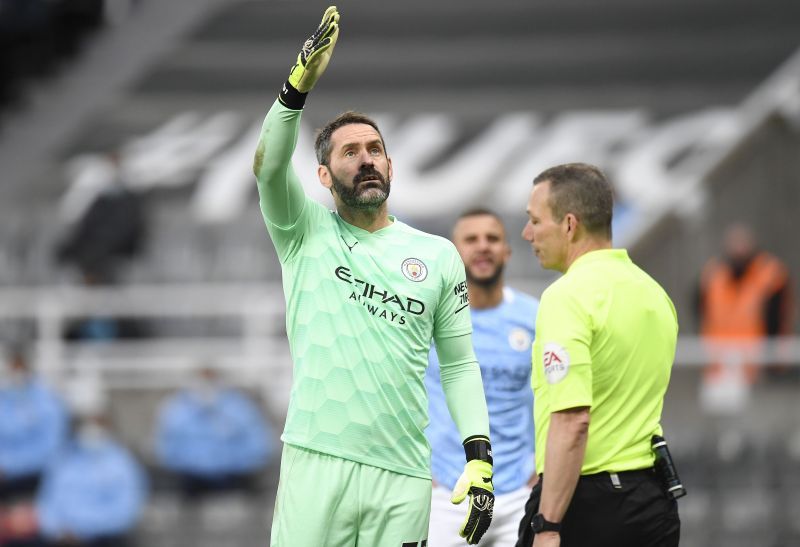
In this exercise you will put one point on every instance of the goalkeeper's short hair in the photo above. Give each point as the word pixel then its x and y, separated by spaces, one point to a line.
pixel 322 144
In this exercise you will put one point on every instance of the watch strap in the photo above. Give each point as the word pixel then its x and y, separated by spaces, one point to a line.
pixel 540 524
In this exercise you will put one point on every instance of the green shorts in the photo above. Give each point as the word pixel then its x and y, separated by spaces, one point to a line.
pixel 325 501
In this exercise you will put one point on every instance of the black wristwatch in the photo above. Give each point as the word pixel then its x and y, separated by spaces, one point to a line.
pixel 539 524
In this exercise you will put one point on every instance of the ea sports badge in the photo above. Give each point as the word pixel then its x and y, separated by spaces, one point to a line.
pixel 556 362
pixel 414 269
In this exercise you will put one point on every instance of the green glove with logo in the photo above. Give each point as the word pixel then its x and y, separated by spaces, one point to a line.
pixel 311 61
pixel 476 482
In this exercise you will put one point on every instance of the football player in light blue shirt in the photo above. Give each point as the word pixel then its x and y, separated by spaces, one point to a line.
pixel 503 322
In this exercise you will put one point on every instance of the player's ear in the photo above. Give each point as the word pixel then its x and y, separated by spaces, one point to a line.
pixel 324 175
pixel 390 168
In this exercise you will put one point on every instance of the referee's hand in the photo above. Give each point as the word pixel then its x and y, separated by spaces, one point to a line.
pixel 475 482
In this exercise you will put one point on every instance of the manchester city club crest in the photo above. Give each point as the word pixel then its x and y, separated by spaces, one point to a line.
pixel 414 269
pixel 519 339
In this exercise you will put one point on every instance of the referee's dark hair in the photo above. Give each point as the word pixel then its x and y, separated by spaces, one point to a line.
pixel 584 191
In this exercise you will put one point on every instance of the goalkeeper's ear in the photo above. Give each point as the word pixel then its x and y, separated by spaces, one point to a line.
pixel 325 177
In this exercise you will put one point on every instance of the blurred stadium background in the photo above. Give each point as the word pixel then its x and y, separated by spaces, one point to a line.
pixel 693 108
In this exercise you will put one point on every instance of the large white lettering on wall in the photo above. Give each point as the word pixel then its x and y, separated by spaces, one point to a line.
pixel 436 169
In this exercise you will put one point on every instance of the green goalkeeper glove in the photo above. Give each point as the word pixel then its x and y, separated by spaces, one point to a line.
pixel 311 61
pixel 476 482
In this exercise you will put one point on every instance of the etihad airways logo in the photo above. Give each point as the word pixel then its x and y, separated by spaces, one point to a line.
pixel 370 295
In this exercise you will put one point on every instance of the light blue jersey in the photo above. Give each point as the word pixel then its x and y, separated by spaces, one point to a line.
pixel 502 338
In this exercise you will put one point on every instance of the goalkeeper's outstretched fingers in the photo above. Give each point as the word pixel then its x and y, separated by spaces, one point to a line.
pixel 312 60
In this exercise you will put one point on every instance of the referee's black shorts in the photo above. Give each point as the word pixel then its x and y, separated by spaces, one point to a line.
pixel 634 513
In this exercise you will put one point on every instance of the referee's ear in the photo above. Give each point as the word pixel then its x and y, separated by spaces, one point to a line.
pixel 572 226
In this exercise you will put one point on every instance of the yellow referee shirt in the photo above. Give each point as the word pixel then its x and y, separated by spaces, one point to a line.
pixel 605 338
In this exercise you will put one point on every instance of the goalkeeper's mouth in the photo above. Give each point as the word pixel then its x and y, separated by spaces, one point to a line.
pixel 370 184
pixel 368 177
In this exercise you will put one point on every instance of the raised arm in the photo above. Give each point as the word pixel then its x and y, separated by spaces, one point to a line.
pixel 280 192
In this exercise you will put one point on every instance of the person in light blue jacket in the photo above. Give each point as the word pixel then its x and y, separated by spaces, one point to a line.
pixel 503 321
pixel 33 425
pixel 213 437
pixel 92 494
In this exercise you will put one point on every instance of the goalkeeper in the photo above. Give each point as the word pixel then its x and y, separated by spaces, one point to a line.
pixel 365 295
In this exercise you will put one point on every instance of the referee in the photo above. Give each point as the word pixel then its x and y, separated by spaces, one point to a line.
pixel 605 342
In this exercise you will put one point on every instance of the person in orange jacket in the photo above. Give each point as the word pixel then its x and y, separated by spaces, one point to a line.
pixel 743 297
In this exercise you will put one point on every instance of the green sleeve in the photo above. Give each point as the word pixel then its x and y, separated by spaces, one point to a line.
pixel 280 193
pixel 462 385
pixel 452 313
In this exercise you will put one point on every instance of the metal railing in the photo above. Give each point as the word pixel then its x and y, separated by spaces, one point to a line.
pixel 256 354
pixel 261 340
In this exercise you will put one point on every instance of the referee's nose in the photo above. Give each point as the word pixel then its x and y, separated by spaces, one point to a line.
pixel 527 232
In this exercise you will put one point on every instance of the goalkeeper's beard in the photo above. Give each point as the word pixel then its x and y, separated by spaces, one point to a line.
pixel 354 197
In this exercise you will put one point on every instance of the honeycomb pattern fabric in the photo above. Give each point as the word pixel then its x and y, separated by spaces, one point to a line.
pixel 362 309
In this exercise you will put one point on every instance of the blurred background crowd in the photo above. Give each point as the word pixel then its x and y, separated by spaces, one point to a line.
pixel 145 372
pixel 67 478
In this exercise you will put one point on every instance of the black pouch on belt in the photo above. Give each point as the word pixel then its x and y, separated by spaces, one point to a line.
pixel 665 469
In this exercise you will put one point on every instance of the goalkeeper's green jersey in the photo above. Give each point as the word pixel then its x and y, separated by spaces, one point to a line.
pixel 361 310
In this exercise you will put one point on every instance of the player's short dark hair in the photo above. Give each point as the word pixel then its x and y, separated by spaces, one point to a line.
pixel 479 212
pixel 322 144
pixel 584 191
